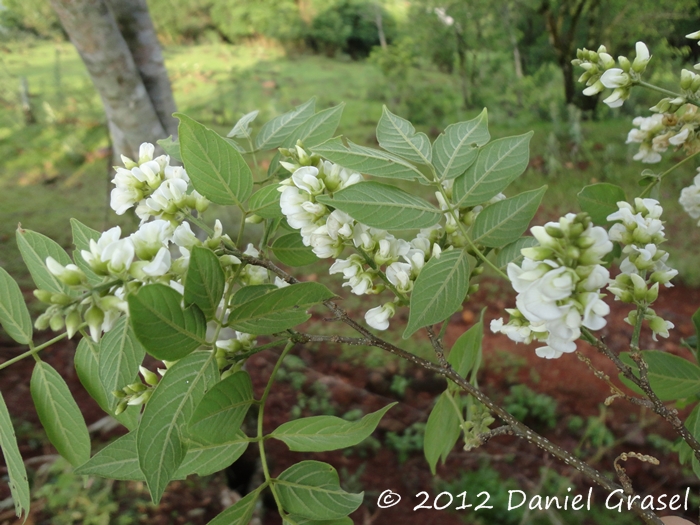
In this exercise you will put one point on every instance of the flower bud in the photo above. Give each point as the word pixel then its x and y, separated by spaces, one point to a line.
pixel 121 407
pixel 201 204
pixel 606 60
pixel 662 106
pixel 659 326
pixel 61 299
pixel 686 78
pixel 56 323
pixel 43 295
pixel 642 57
pixel 229 260
pixel 119 394
pixel 140 400
pixel 694 36
pixel 94 317
pixel 136 387
pixel 640 287
pixel 254 219
pixel 73 321
pixel 652 294
pixel 42 322
pixel 148 376
pixel 695 85
pixel 624 64
pixel 554 231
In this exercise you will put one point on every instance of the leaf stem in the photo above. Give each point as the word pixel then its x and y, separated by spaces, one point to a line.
pixel 648 189
pixel 658 89
pixel 261 414
pixel 33 350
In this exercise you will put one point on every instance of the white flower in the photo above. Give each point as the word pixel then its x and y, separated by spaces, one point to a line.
pixel 101 251
pixel 615 78
pixel 280 283
pixel 167 198
pixel 123 198
pixel 594 310
pixel 647 155
pixel 119 255
pixel 642 58
pixel 690 198
pixel 361 283
pixel 617 97
pixel 679 138
pixel 146 151
pixel 306 179
pixel 390 250
pixel 184 237
pixel 151 237
pixel 340 225
pixel 349 267
pixel 160 264
pixel 399 274
pixel 379 316
pixel 323 245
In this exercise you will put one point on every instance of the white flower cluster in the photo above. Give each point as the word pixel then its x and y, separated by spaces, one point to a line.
pixel 153 186
pixel 143 257
pixel 690 198
pixel 558 286
pixel 657 133
pixel 328 233
pixel 641 231
pixel 599 72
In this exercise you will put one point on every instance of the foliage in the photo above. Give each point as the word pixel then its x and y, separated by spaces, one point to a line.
pixel 204 303
pixel 538 410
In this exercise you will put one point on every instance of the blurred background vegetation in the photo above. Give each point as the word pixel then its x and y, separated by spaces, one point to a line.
pixel 432 61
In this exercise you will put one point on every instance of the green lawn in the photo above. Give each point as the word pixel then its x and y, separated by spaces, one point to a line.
pixel 58 167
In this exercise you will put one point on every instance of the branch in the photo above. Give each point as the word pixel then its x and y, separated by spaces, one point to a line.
pixel 444 369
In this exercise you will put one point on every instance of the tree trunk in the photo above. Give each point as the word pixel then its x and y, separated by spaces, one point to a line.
pixel 380 24
pixel 131 113
pixel 134 22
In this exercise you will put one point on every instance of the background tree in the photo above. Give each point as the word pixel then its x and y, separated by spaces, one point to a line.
pixel 118 44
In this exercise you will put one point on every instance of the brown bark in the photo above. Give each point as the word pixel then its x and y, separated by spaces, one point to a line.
pixel 131 114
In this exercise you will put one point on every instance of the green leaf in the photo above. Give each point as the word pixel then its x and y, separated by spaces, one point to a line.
pixel 318 128
pixel 499 163
pixel 217 170
pixel 119 357
pixel 242 128
pixel 248 293
pixel 159 442
pixel 205 281
pixel 205 459
pixel 382 206
pixel 119 460
pixel 312 490
pixel 600 200
pixel 35 248
pixel 290 250
pixel 278 310
pixel 458 146
pixel 266 202
pixel 439 290
pixel 240 513
pixel 172 148
pixel 465 354
pixel 505 221
pixel 398 136
pixel 19 485
pixel 511 252
pixel 59 414
pixel 14 316
pixel 685 453
pixel 367 160
pixel 220 413
pixel 274 133
pixel 696 324
pixel 82 235
pixel 86 361
pixel 670 377
pixel 166 331
pixel 322 433
pixel 441 431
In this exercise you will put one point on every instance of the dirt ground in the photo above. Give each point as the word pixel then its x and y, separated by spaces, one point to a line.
pixel 352 386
